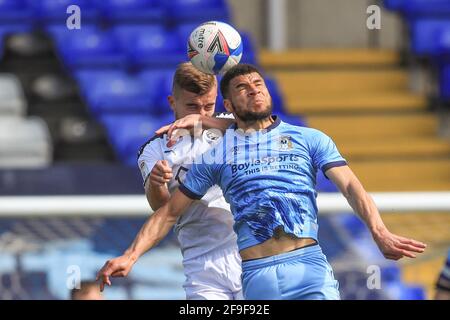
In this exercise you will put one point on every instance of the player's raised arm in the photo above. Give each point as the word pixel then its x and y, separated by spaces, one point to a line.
pixel 152 232
pixel 155 186
pixel 392 246
pixel 193 122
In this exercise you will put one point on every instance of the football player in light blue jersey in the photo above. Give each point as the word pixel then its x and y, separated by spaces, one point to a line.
pixel 267 171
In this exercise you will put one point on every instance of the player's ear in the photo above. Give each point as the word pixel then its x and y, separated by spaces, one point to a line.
pixel 227 105
pixel 171 100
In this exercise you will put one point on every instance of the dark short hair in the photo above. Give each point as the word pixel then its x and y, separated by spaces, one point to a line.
pixel 189 78
pixel 236 71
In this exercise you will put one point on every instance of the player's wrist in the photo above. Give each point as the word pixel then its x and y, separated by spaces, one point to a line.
pixel 131 255
pixel 378 231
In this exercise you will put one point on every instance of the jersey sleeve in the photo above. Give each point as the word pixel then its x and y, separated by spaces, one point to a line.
pixel 324 152
pixel 148 155
pixel 199 179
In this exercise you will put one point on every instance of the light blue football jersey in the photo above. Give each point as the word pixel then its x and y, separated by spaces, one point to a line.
pixel 268 177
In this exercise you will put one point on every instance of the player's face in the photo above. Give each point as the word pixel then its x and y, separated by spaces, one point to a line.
pixel 249 98
pixel 186 103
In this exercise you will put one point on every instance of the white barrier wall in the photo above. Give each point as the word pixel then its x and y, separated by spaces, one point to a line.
pixel 119 205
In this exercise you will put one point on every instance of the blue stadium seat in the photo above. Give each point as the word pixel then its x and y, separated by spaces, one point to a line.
pixel 322 183
pixel 127 34
pixel 353 225
pixel 14 28
pixel 86 78
pixel 427 8
pixel 444 82
pixel 332 244
pixel 15 12
pixel 128 133
pixel 196 11
pixel 443 43
pixel 55 11
pixel 158 49
pixel 249 53
pixel 132 11
pixel 425 35
pixel 277 99
pixel 160 83
pixel 117 93
pixel 399 291
pixel 394 5
pixel 413 9
pixel 90 48
pixel 184 30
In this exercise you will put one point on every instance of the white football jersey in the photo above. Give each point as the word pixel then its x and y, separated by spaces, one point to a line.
pixel 208 223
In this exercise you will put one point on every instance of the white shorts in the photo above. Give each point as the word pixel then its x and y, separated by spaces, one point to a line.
pixel 214 276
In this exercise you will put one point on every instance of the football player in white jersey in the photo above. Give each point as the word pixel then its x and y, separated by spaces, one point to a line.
pixel 211 261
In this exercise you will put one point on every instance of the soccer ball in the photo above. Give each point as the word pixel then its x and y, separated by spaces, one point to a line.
pixel 214 47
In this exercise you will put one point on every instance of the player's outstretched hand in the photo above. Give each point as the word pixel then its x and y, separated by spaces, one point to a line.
pixel 117 267
pixel 396 247
pixel 181 127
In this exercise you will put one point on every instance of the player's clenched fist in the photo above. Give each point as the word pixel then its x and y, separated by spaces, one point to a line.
pixel 161 173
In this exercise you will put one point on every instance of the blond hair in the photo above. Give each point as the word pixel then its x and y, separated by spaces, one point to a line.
pixel 189 78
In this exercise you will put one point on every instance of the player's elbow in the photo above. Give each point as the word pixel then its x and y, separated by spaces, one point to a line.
pixel 172 212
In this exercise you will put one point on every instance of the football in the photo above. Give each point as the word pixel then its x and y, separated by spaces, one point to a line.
pixel 214 47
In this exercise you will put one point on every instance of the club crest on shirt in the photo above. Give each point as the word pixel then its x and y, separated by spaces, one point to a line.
pixel 211 136
pixel 285 143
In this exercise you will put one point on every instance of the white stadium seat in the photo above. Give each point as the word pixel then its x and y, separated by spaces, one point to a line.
pixel 12 98
pixel 24 143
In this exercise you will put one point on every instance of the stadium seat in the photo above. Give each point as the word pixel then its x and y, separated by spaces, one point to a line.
pixel 53 12
pixel 249 54
pixel 425 36
pixel 443 43
pixel 399 291
pixel 24 143
pixel 444 82
pixel 413 9
pixel 118 93
pixel 90 48
pixel 6 30
pixel 15 12
pixel 86 78
pixel 196 11
pixel 159 83
pixel 322 183
pixel 128 133
pixel 354 225
pixel 157 49
pixel 12 98
pixel 427 8
pixel 394 5
pixel 184 30
pixel 277 99
pixel 132 11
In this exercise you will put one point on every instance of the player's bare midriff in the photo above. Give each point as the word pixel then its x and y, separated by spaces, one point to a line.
pixel 281 242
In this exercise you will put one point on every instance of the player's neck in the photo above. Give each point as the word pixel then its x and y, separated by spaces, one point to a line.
pixel 255 125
